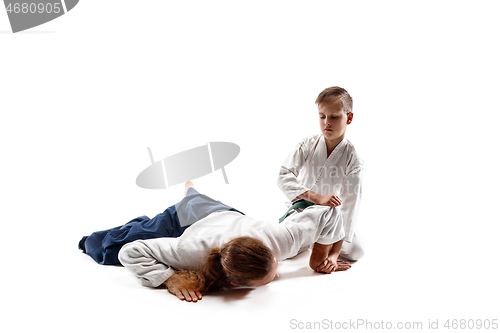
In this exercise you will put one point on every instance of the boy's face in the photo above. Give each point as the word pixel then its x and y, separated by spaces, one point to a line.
pixel 333 120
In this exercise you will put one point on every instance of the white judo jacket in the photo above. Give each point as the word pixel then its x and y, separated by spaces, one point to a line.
pixel 309 168
pixel 153 260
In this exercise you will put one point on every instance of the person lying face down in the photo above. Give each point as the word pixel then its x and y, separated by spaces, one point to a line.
pixel 227 248
pixel 243 261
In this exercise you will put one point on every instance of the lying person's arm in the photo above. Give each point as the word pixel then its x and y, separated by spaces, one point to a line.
pixel 324 258
pixel 150 260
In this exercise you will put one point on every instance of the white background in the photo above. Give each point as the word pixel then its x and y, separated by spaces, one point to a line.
pixel 83 96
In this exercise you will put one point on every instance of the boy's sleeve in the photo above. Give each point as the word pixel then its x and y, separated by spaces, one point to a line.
pixel 146 259
pixel 351 199
pixel 289 171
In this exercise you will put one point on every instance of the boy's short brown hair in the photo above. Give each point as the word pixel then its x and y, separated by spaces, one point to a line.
pixel 332 93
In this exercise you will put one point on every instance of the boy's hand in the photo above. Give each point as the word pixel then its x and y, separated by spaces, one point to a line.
pixel 328 266
pixel 331 200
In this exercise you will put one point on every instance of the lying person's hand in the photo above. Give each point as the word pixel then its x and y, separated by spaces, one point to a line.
pixel 328 266
pixel 176 285
pixel 186 295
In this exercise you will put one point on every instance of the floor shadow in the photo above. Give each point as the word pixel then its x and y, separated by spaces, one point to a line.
pixel 299 272
pixel 231 294
pixel 298 266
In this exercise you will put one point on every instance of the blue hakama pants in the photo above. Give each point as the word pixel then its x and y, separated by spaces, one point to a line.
pixel 103 246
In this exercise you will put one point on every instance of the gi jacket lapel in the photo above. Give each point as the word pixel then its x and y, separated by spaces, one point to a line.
pixel 326 161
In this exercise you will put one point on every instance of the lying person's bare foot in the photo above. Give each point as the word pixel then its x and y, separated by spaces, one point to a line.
pixel 187 186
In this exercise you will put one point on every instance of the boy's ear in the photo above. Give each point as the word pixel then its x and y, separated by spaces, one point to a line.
pixel 349 117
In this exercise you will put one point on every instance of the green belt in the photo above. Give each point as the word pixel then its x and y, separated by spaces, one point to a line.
pixel 297 204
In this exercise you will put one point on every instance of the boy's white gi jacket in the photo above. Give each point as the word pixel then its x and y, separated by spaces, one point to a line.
pixel 309 168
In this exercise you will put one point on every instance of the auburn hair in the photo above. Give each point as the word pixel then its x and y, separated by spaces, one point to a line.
pixel 332 93
pixel 241 260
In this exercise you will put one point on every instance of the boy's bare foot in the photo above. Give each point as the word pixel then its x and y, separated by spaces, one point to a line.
pixel 187 186
pixel 318 255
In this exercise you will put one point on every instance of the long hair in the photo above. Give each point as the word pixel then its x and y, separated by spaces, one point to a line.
pixel 240 261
